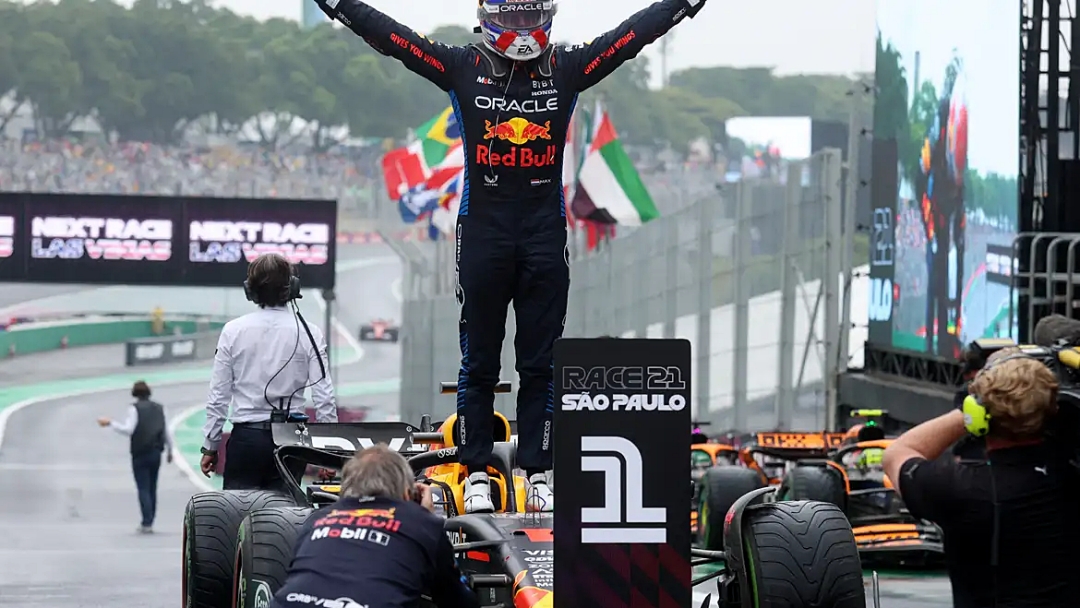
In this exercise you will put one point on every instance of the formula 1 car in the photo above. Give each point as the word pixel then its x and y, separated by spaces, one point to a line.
pixel 238 545
pixel 842 469
pixel 379 330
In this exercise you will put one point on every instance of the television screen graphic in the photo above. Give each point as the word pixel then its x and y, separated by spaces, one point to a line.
pixel 152 240
pixel 945 167
pixel 223 236
pixel 12 255
pixel 100 239
pixel 7 236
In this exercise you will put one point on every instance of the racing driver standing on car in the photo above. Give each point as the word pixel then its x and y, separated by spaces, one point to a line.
pixel 513 93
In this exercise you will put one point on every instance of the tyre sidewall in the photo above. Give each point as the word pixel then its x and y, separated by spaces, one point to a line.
pixel 836 581
pixel 721 487
pixel 815 483
pixel 252 593
pixel 255 585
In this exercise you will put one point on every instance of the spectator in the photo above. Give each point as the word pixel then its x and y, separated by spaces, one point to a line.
pixel 145 424
pixel 1007 515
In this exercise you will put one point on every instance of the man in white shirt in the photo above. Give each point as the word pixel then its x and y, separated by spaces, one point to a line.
pixel 145 424
pixel 264 362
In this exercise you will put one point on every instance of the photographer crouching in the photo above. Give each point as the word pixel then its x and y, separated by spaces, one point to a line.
pixel 1007 512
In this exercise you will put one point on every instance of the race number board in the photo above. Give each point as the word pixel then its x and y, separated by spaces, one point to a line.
pixel 622 462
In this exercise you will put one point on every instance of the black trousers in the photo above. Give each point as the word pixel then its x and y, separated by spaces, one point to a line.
pixel 145 466
pixel 249 461
pixel 519 256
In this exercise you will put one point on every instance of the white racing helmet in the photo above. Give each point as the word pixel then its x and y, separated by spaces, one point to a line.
pixel 517 29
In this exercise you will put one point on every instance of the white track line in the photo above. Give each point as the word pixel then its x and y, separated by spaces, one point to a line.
pixel 339 327
pixel 195 477
pixel 395 290
pixel 8 412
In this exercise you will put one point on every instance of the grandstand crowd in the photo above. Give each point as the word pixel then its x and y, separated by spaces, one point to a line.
pixel 352 176
pixel 226 171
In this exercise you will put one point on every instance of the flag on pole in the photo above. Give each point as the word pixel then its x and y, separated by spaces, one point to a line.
pixel 610 191
pixel 438 136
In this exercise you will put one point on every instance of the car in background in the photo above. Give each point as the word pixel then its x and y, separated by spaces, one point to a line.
pixel 379 330
pixel 843 469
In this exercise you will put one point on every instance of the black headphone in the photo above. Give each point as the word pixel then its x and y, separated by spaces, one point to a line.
pixel 292 290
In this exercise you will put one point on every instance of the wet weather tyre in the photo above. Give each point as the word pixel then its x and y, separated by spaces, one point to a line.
pixel 211 520
pixel 814 483
pixel 802 555
pixel 264 551
pixel 720 488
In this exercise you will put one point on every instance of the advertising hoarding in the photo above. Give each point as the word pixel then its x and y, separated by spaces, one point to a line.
pixel 945 165
pixel 150 240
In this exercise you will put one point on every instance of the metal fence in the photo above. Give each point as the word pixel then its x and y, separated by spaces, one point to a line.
pixel 751 276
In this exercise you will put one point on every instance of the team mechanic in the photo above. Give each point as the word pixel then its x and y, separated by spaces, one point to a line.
pixel 513 93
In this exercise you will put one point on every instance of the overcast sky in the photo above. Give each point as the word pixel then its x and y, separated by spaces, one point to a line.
pixel 794 36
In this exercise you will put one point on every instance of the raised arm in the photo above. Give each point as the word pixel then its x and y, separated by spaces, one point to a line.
pixel 432 60
pixel 591 63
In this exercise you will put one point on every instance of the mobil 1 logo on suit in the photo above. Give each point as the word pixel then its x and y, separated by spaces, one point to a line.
pixel 622 453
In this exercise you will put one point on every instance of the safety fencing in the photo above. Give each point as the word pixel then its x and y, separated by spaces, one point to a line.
pixel 754 276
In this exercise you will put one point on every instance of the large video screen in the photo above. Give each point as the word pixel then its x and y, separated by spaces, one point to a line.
pixel 148 240
pixel 945 165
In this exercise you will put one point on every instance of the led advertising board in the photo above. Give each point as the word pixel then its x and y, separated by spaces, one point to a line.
pixel 150 240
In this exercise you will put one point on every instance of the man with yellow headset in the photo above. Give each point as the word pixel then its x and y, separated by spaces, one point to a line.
pixel 1012 537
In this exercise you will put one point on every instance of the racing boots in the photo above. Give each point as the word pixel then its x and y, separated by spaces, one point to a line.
pixel 478 494
pixel 538 495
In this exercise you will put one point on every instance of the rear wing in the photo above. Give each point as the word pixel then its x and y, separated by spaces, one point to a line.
pixel 356 436
pixel 347 436
pixel 800 441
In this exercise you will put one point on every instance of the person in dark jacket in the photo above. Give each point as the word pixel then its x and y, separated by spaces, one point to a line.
pixel 379 545
pixel 145 424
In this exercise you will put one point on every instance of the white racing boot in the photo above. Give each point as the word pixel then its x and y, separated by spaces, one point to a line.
pixel 538 495
pixel 478 494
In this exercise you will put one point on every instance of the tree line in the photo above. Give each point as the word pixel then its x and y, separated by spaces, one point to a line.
pixel 147 72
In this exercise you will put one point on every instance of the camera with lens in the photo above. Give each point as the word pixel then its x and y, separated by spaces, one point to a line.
pixel 1062 358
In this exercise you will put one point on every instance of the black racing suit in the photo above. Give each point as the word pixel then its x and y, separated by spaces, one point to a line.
pixel 373 552
pixel 511 231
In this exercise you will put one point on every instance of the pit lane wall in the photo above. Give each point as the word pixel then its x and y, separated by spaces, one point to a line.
pixel 34 337
pixel 755 276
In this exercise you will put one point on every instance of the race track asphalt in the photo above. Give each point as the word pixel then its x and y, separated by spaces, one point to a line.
pixel 68 509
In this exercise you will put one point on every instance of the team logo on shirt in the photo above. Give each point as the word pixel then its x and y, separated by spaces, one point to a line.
pixel 371 525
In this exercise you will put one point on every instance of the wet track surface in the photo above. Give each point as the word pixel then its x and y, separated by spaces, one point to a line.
pixel 68 509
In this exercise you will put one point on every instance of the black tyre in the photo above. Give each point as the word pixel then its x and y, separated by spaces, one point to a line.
pixel 814 483
pixel 264 551
pixel 211 520
pixel 720 488
pixel 803 555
